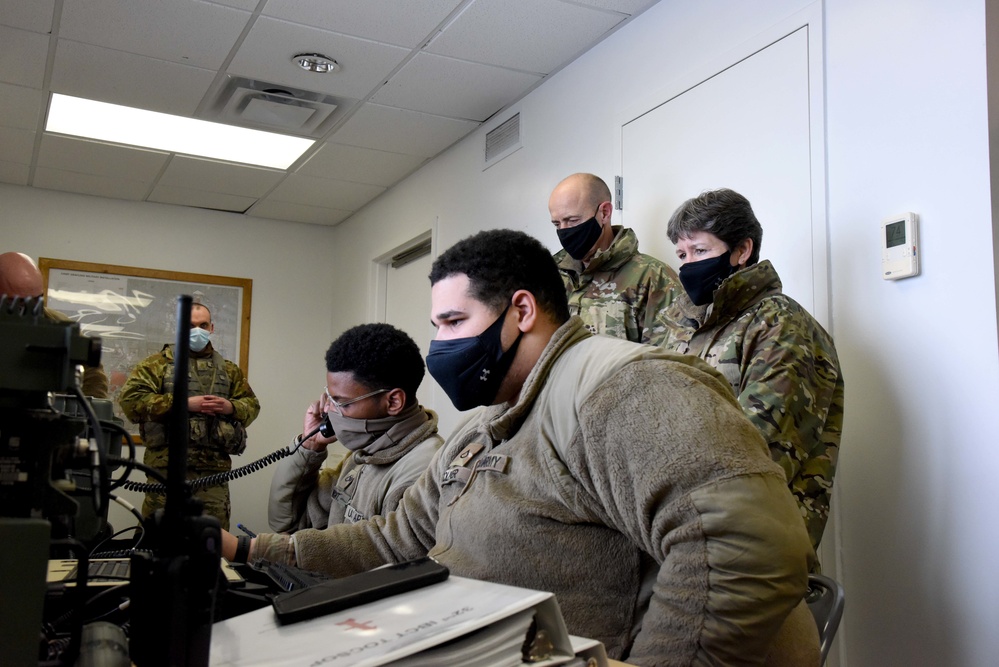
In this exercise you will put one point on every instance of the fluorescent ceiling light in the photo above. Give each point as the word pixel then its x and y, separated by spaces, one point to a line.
pixel 150 129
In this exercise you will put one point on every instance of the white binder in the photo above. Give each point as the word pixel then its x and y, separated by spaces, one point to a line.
pixel 459 622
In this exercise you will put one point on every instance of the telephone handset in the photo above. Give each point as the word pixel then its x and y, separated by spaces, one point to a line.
pixel 324 429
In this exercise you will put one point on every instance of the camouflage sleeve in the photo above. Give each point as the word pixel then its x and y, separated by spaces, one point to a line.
pixel 660 288
pixel 245 405
pixel 792 390
pixel 141 399
pixel 95 381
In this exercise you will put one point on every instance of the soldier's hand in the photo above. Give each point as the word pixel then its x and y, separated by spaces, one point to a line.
pixel 314 416
pixel 209 405
pixel 226 406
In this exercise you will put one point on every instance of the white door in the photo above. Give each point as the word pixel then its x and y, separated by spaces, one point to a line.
pixel 747 126
pixel 407 307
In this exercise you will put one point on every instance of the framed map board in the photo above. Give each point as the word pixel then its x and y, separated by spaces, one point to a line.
pixel 134 310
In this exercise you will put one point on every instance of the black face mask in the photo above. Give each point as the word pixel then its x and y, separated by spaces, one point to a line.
pixel 702 278
pixel 578 240
pixel 470 370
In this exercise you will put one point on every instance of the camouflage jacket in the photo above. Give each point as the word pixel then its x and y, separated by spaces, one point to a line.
pixel 147 397
pixel 95 381
pixel 621 291
pixel 784 370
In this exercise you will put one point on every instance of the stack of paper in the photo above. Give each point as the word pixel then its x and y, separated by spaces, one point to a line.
pixel 459 623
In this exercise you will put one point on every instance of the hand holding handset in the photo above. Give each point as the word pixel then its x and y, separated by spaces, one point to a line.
pixel 317 431
pixel 357 589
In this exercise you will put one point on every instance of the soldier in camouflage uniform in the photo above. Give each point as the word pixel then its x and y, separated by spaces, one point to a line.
pixel 780 362
pixel 221 405
pixel 616 290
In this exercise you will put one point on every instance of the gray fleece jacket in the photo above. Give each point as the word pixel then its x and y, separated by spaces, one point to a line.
pixel 627 481
pixel 367 482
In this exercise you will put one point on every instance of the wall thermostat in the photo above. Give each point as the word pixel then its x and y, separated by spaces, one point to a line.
pixel 899 240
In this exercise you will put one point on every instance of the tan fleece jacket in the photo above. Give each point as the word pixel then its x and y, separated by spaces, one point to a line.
pixel 627 481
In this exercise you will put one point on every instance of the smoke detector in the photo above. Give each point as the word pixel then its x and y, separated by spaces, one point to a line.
pixel 316 62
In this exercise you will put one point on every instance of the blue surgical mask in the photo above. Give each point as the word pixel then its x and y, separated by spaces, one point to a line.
pixel 470 370
pixel 199 339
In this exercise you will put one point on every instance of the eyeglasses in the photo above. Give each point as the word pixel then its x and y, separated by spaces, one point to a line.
pixel 340 406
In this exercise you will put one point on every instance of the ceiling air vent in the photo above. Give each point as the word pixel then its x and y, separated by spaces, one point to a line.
pixel 502 140
pixel 276 108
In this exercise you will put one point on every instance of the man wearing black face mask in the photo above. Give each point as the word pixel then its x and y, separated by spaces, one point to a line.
pixel 372 374
pixel 672 540
pixel 780 362
pixel 615 290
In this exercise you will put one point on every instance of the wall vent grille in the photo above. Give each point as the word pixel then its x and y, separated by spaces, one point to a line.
pixel 503 139
pixel 411 254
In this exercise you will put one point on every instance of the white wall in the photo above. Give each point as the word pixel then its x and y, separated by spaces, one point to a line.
pixel 292 283
pixel 906 130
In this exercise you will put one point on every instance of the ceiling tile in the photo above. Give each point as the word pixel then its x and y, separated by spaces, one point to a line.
pixel 16 145
pixel 532 35
pixel 177 56
pixel 233 179
pixel 94 157
pixel 200 34
pixel 12 172
pixel 412 21
pixel 20 106
pixel 35 16
pixel 22 57
pixel 248 5
pixel 89 184
pixel 629 7
pixel 276 210
pixel 456 88
pixel 360 165
pixel 199 198
pixel 267 51
pixel 102 74
pixel 325 192
pixel 402 131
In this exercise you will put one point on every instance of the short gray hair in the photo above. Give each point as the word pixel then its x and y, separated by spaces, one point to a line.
pixel 724 213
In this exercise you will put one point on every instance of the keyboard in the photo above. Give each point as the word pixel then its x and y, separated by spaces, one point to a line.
pixel 288 577
pixel 112 572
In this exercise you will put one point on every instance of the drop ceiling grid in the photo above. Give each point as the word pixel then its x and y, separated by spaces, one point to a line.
pixel 233 179
pixel 529 35
pixel 360 165
pixel 268 49
pixel 81 156
pixel 35 15
pixel 412 21
pixel 171 55
pixel 186 32
pixel 455 88
pixel 97 73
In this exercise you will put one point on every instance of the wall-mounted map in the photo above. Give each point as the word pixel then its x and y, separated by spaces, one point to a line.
pixel 134 311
